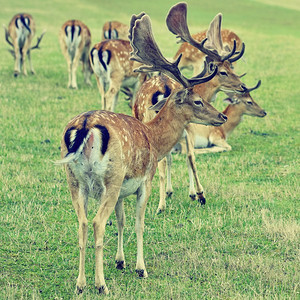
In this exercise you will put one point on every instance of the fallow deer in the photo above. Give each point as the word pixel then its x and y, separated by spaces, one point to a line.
pixel 110 156
pixel 19 35
pixel 156 87
pixel 114 71
pixel 193 58
pixel 211 139
pixel 75 42
pixel 114 30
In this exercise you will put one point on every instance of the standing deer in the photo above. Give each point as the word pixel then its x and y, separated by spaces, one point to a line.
pixel 114 71
pixel 75 42
pixel 19 35
pixel 193 58
pixel 159 86
pixel 110 156
pixel 114 30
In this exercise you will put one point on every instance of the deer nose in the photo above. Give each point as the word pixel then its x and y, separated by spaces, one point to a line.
pixel 264 113
pixel 222 117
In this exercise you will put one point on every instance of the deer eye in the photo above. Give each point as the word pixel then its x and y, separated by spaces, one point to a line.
pixel 198 103
pixel 249 102
pixel 223 73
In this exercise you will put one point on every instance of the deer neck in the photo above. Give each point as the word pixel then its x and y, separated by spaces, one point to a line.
pixel 207 90
pixel 234 117
pixel 166 129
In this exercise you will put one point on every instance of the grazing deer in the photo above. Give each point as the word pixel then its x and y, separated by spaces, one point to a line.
pixel 75 42
pixel 115 30
pixel 19 35
pixel 110 156
pixel 211 139
pixel 193 58
pixel 114 71
pixel 157 87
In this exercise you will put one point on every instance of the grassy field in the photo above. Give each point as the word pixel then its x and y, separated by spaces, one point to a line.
pixel 244 244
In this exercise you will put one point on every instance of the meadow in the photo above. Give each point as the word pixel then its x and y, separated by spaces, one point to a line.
pixel 243 244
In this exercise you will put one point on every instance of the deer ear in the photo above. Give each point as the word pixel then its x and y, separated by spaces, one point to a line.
pixel 158 106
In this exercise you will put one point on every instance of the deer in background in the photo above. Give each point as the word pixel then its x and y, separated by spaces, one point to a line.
pixel 114 30
pixel 110 156
pixel 158 87
pixel 193 58
pixel 211 139
pixel 75 42
pixel 114 71
pixel 19 35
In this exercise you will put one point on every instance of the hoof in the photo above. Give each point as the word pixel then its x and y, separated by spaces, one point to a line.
pixel 79 290
pixel 142 273
pixel 160 210
pixel 193 197
pixel 201 198
pixel 102 290
pixel 169 194
pixel 16 74
pixel 120 265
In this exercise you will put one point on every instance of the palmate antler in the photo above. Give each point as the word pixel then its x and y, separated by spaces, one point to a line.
pixel 177 24
pixel 146 51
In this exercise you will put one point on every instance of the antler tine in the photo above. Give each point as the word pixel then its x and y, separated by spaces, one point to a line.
pixel 231 52
pixel 246 90
pixel 146 51
pixel 239 55
pixel 7 36
pixel 177 24
pixel 38 41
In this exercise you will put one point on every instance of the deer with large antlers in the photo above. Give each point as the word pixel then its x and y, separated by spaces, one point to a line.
pixel 110 156
pixel 114 71
pixel 75 42
pixel 114 30
pixel 159 86
pixel 19 35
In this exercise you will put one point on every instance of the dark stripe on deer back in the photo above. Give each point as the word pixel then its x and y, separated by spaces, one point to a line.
pixel 105 137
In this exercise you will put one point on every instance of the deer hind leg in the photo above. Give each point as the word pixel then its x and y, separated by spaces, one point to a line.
pixel 74 66
pixel 80 200
pixel 120 214
pixel 85 68
pixel 111 96
pixel 142 198
pixel 162 190
pixel 192 170
pixel 108 203
pixel 18 63
pixel 24 54
pixel 30 62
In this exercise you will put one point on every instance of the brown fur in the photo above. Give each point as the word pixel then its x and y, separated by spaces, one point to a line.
pixel 122 30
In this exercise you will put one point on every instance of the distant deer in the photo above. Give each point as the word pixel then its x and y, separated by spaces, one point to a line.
pixel 19 35
pixel 110 156
pixel 114 30
pixel 159 86
pixel 75 42
pixel 193 58
pixel 114 71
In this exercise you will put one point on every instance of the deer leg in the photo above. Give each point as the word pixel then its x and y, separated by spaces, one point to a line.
pixel 219 145
pixel 193 172
pixel 17 69
pixel 108 203
pixel 79 200
pixel 85 68
pixel 120 214
pixel 74 69
pixel 30 62
pixel 162 190
pixel 102 92
pixel 142 198
pixel 169 190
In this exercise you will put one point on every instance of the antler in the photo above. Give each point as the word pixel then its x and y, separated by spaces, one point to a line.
pixel 7 36
pixel 146 51
pixel 38 41
pixel 246 90
pixel 177 24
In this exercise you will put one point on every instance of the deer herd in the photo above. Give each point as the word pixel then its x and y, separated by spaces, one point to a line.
pixel 108 155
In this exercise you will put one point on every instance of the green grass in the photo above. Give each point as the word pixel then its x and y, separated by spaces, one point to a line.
pixel 243 244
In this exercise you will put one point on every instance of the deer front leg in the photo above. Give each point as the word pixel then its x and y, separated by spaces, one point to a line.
pixel 30 62
pixel 162 190
pixel 120 214
pixel 169 190
pixel 142 198
pixel 193 172
pixel 219 145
